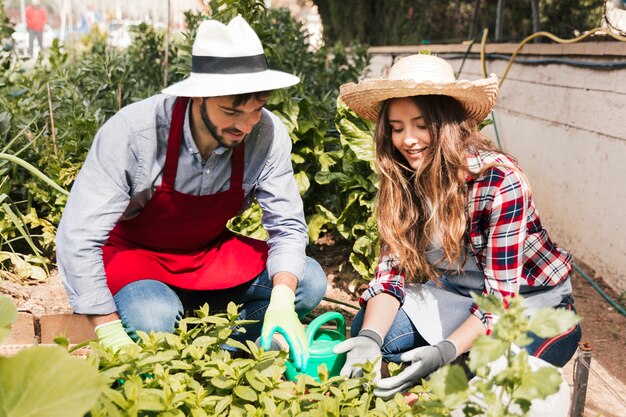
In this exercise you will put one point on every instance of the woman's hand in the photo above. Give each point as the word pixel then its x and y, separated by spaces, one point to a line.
pixel 425 360
pixel 365 347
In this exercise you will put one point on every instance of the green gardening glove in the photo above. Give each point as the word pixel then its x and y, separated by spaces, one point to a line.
pixel 112 335
pixel 281 317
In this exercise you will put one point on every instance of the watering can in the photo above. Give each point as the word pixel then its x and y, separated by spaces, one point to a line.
pixel 321 344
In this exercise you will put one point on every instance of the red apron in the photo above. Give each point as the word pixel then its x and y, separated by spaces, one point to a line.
pixel 182 239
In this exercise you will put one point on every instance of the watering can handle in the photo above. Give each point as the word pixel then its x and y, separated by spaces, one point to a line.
pixel 314 326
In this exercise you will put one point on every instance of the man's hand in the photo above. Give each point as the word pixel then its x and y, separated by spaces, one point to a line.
pixel 425 360
pixel 360 349
pixel 281 317
pixel 112 335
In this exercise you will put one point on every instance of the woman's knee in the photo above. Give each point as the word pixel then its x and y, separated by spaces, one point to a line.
pixel 148 305
pixel 311 288
pixel 557 350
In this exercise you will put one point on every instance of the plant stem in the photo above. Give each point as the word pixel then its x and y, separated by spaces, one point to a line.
pixel 54 135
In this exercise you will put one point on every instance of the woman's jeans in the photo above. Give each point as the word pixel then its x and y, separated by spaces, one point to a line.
pixel 403 336
pixel 150 305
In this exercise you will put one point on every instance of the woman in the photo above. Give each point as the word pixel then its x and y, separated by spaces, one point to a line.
pixel 454 212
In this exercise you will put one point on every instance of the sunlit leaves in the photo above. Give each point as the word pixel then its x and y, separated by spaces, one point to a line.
pixel 46 381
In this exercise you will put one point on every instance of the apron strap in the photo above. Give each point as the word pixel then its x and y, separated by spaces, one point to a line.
pixel 173 143
pixel 237 167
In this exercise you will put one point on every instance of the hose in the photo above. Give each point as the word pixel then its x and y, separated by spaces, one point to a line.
pixel 604 295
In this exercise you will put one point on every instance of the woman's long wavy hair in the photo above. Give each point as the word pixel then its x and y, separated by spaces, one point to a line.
pixel 427 204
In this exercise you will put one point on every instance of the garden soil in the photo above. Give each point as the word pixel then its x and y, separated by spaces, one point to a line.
pixel 603 327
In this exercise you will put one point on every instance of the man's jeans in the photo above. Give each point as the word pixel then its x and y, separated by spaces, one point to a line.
pixel 150 305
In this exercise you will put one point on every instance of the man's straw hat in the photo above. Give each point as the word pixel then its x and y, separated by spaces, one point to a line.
pixel 228 60
pixel 417 75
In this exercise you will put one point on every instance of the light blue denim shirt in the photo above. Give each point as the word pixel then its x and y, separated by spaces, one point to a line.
pixel 125 164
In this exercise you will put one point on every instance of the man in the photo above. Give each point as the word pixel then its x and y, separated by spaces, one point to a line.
pixel 143 236
pixel 36 18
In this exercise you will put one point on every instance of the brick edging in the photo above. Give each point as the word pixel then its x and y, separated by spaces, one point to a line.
pixel 30 329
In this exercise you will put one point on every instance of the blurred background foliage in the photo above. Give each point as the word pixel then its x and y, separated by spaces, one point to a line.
pixel 51 109
pixel 411 22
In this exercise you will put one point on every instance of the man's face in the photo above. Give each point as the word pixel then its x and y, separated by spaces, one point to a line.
pixel 227 123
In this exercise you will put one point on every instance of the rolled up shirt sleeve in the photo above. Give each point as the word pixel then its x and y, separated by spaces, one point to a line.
pixel 283 214
pixel 387 279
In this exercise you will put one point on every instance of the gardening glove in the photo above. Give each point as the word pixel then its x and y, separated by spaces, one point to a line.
pixel 112 335
pixel 364 347
pixel 425 360
pixel 281 317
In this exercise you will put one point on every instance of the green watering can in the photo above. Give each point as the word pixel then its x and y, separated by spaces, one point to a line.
pixel 321 344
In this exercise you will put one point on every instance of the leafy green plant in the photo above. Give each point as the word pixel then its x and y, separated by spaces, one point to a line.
pixel 16 230
pixel 505 385
pixel 190 373
pixel 44 381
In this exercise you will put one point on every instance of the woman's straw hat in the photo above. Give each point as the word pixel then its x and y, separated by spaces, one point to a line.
pixel 417 75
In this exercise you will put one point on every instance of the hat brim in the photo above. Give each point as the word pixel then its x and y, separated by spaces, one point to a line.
pixel 215 85
pixel 365 98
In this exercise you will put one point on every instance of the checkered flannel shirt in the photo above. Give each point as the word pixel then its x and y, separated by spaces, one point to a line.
pixel 511 246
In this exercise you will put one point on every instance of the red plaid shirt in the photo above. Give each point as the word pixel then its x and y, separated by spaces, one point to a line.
pixel 511 246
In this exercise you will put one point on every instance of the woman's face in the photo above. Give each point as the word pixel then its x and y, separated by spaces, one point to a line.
pixel 409 133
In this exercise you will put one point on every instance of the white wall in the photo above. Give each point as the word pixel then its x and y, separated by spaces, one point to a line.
pixel 567 127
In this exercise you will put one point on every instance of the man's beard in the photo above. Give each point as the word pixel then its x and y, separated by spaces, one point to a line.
pixel 213 129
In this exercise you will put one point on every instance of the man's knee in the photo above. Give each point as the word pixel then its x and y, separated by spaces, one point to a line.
pixel 147 306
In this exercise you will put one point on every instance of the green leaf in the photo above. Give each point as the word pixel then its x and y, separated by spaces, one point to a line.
pixel 283 394
pixel 116 397
pixel 151 400
pixel 297 159
pixel 358 265
pixel 486 350
pixel 256 383
pixel 46 381
pixel 490 303
pixel 548 322
pixel 303 182
pixel 450 385
pixel 222 382
pixel 232 309
pixel 245 393
pixel 222 405
pixel 315 224
pixel 8 315
pixel 326 161
pixel 539 384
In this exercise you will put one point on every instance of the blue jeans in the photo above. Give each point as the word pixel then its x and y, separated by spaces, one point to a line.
pixel 150 305
pixel 403 336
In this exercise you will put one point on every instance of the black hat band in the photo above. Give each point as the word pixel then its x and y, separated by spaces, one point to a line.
pixel 228 65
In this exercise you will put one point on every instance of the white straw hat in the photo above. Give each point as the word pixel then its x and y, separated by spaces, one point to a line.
pixel 228 60
pixel 417 75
